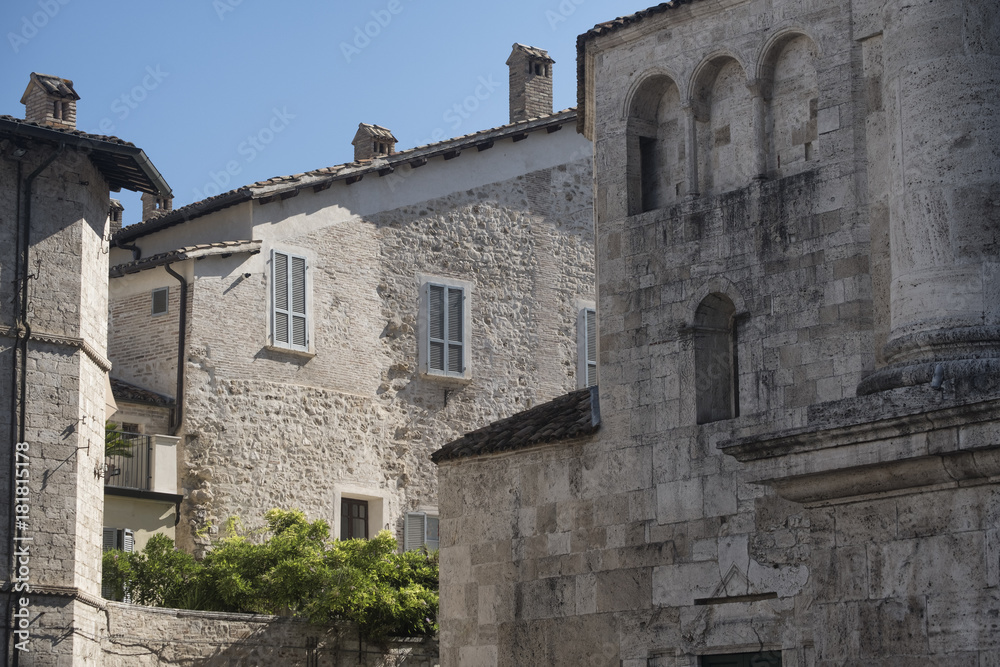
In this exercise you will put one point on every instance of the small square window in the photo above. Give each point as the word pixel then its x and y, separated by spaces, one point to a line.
pixel 160 300
pixel 420 530
pixel 353 519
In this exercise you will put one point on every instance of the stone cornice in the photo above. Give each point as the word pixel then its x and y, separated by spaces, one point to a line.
pixel 66 341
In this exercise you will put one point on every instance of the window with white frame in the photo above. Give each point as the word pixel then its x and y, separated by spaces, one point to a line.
pixel 587 348
pixel 420 530
pixel 120 539
pixel 444 328
pixel 289 301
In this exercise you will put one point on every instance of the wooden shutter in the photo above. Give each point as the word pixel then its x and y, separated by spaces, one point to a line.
pixel 456 340
pixel 420 530
pixel 109 542
pixel 279 282
pixel 590 331
pixel 128 540
pixel 298 299
pixel 431 533
pixel 289 298
pixel 413 531
pixel 436 327
pixel 446 329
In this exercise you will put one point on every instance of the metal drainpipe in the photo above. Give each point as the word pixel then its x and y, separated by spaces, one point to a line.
pixel 19 368
pixel 136 251
pixel 181 341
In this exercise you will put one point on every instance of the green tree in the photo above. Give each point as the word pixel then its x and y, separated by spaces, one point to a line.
pixel 290 566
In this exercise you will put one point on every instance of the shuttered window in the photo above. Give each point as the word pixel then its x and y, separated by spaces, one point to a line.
pixel 590 333
pixel 420 530
pixel 586 348
pixel 121 539
pixel 445 329
pixel 289 316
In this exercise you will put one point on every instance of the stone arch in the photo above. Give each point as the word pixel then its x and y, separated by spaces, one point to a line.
pixel 656 151
pixel 790 87
pixel 724 126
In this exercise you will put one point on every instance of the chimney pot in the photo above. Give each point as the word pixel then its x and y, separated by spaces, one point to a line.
pixel 530 82
pixel 372 141
pixel 50 100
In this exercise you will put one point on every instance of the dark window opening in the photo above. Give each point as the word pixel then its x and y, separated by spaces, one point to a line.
pixel 160 295
pixel 759 659
pixel 353 519
pixel 649 172
pixel 715 360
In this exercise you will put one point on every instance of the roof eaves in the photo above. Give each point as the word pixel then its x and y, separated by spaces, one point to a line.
pixel 275 188
pixel 223 248
pixel 183 214
pixel 101 145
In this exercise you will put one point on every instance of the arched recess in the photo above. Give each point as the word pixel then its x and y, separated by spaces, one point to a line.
pixel 716 360
pixel 791 89
pixel 655 133
pixel 725 139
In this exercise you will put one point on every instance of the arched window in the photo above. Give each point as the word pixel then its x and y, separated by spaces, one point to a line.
pixel 725 132
pixel 792 90
pixel 715 360
pixel 656 166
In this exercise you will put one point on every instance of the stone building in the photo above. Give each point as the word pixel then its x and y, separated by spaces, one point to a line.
pixel 54 217
pixel 334 327
pixel 795 452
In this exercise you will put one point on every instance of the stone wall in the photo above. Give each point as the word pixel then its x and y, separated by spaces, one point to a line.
pixel 354 416
pixel 826 515
pixel 65 399
pixel 150 637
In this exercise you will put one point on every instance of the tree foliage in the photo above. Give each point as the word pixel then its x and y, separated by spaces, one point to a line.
pixel 290 567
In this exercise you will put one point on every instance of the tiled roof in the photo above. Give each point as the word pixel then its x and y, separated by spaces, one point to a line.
pixel 572 415
pixel 53 85
pixel 603 29
pixel 122 163
pixel 129 393
pixel 532 51
pixel 376 131
pixel 188 252
pixel 280 187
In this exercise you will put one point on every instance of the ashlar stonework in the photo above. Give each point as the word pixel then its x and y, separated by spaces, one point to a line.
pixel 798 450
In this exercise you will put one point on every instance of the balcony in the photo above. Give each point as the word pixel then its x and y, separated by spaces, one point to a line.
pixel 147 463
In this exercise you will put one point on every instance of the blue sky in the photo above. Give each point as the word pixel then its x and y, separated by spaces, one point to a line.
pixel 221 93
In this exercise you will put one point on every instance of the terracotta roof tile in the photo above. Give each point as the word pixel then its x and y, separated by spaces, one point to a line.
pixel 270 188
pixel 130 393
pixel 572 415
pixel 181 254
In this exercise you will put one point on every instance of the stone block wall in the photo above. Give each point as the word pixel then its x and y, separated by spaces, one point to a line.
pixel 151 637
pixel 834 527
pixel 64 405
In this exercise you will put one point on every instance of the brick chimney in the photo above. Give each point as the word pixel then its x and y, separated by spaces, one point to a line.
pixel 530 82
pixel 115 212
pixel 153 206
pixel 372 141
pixel 49 100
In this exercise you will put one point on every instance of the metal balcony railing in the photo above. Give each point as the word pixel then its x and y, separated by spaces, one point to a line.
pixel 129 471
